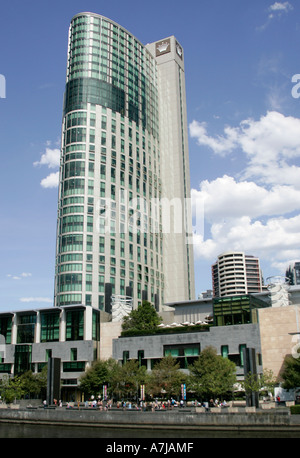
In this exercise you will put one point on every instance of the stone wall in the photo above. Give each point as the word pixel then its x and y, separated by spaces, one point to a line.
pixel 279 328
pixel 154 420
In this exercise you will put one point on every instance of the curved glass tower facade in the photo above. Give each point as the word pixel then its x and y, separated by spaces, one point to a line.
pixel 110 239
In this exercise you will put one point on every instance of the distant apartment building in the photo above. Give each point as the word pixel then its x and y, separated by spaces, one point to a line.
pixel 236 273
pixel 293 273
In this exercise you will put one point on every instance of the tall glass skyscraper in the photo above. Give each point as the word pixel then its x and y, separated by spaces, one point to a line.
pixel 124 220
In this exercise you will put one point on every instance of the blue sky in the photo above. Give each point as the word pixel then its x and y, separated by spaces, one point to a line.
pixel 244 129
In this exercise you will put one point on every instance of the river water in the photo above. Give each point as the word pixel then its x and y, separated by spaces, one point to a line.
pixel 24 431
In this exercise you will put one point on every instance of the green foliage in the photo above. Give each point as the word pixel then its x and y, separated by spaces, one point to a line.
pixel 173 330
pixel 251 383
pixel 143 318
pixel 100 373
pixel 268 380
pixel 291 372
pixel 295 410
pixel 30 384
pixel 11 389
pixel 128 378
pixel 166 378
pixel 254 383
pixel 122 381
pixel 212 375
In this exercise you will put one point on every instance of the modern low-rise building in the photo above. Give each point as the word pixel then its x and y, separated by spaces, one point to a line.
pixel 235 326
pixel 280 331
pixel 79 334
pixel 30 337
pixel 186 346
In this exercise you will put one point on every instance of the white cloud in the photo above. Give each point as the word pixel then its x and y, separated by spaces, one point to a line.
pixel 276 240
pixel 276 10
pixel 51 181
pixel 50 158
pixel 280 7
pixel 269 145
pixel 282 266
pixel 36 299
pixel 220 145
pixel 19 277
pixel 14 277
pixel 258 210
pixel 274 135
pixel 225 197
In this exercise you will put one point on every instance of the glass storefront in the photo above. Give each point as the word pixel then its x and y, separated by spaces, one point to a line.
pixel 236 310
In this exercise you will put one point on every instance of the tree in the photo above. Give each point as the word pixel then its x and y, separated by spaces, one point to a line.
pixel 166 378
pixel 143 318
pixel 268 380
pixel 11 389
pixel 27 384
pixel 291 372
pixel 253 383
pixel 92 381
pixel 212 375
pixel 128 378
pixel 34 385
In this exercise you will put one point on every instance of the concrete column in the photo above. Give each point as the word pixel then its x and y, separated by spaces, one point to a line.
pixel 62 330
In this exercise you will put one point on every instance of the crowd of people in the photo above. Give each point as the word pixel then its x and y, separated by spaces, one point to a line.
pixel 153 405
pixel 130 405
pixel 141 405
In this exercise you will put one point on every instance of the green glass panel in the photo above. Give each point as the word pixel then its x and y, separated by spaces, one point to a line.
pixel 191 351
pixel 173 352
pixel 49 327
pixel 80 91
